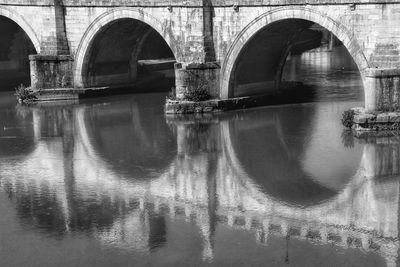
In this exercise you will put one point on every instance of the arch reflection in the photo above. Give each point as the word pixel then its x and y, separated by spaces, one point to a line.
pixel 73 188
pixel 291 155
pixel 120 134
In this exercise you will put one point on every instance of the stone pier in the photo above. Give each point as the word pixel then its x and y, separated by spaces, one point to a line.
pixel 197 77
pixel 382 89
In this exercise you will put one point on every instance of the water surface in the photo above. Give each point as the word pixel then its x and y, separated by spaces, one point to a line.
pixel 113 181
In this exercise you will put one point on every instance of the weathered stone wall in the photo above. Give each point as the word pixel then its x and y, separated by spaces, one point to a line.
pixel 193 3
pixel 40 24
pixel 372 24
pixel 209 30
pixel 51 71
pixel 180 28
pixel 203 76
pixel 386 96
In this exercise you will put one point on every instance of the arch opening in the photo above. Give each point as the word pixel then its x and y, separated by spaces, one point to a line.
pixel 296 60
pixel 15 48
pixel 129 54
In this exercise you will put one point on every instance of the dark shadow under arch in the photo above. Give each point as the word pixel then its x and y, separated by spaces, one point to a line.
pixel 129 54
pixel 15 48
pixel 260 65
pixel 332 24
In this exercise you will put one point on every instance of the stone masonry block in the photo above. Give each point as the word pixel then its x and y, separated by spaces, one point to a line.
pixel 394 117
pixel 382 118
pixel 364 118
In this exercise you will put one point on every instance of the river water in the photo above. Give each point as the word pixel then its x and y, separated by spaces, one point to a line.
pixel 114 182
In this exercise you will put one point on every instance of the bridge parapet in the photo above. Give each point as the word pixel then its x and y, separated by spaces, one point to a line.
pixel 192 3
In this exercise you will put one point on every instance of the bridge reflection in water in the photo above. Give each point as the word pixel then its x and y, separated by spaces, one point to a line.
pixel 123 181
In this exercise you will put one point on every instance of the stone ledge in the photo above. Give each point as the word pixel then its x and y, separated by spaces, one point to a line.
pixel 218 105
pixel 379 72
pixel 377 121
pixel 51 57
pixel 188 107
pixel 57 94
pixel 198 66
pixel 288 93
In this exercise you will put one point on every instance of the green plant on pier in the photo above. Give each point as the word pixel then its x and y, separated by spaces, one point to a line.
pixel 199 93
pixel 347 118
pixel 25 94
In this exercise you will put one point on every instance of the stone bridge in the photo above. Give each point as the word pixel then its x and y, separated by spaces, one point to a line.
pixel 223 46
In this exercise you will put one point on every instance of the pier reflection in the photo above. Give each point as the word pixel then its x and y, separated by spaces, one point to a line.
pixel 136 185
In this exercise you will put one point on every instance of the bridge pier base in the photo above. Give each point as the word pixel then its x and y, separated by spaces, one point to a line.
pixel 196 78
pixel 51 71
pixel 52 76
pixel 382 102
pixel 197 88
pixel 382 89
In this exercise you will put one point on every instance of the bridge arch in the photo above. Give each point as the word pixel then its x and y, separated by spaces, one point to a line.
pixel 21 22
pixel 286 13
pixel 87 41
